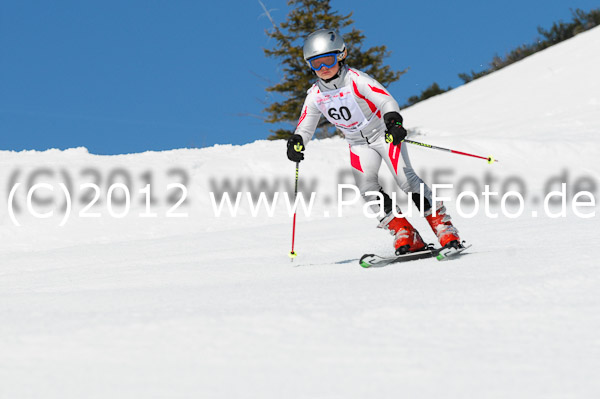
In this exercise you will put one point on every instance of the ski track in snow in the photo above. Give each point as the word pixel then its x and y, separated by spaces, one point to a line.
pixel 213 307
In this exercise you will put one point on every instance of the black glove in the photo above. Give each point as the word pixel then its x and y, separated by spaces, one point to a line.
pixel 395 133
pixel 295 146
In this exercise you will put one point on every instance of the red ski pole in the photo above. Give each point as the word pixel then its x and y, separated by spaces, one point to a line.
pixel 489 159
pixel 293 254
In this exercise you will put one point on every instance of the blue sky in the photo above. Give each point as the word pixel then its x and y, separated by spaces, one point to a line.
pixel 131 76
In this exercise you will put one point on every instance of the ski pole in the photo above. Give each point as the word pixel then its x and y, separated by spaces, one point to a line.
pixel 489 159
pixel 293 254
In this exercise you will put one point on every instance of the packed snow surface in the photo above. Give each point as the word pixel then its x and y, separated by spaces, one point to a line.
pixel 119 303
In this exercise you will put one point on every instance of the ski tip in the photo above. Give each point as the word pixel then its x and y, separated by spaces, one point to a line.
pixel 452 251
pixel 363 262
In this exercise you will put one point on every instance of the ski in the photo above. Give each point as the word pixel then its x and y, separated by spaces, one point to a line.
pixel 450 252
pixel 373 260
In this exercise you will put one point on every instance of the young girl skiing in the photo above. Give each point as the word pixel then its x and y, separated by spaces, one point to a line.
pixel 369 118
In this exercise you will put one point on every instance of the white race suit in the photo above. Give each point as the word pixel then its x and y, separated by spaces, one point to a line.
pixel 355 103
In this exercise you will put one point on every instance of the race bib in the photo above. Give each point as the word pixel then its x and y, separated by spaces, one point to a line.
pixel 341 109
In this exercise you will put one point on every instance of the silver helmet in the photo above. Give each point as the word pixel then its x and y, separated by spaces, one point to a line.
pixel 324 41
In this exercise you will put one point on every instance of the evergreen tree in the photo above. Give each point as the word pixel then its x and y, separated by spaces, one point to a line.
pixel 306 17
pixel 560 31
pixel 429 92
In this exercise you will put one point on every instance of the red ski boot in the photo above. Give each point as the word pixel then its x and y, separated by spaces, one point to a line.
pixel 442 226
pixel 406 237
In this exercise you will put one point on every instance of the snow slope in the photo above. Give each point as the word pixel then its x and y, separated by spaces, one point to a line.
pixel 207 306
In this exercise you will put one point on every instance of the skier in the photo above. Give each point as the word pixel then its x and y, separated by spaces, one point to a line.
pixel 369 118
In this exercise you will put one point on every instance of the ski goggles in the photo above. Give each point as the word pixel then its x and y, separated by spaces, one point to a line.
pixel 328 60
